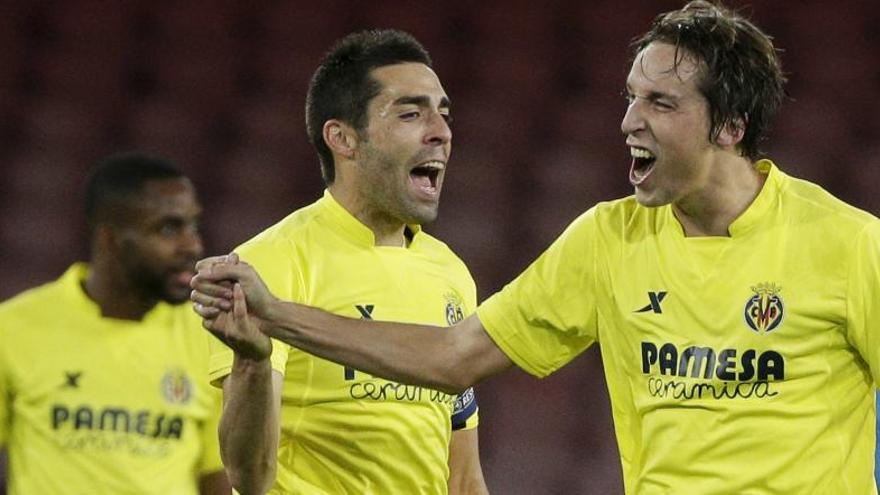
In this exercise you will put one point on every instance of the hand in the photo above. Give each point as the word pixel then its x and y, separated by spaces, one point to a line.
pixel 211 285
pixel 236 328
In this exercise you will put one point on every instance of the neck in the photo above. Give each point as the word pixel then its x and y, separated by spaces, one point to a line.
pixel 710 211
pixel 114 294
pixel 387 231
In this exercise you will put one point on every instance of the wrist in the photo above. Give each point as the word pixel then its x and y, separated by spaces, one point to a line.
pixel 268 320
pixel 251 364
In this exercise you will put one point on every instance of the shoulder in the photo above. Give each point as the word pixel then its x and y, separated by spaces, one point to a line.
pixel 283 236
pixel 36 301
pixel 614 219
pixel 810 204
pixel 439 251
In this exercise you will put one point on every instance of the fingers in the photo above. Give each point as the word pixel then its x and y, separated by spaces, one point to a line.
pixel 221 271
pixel 239 302
pixel 207 263
pixel 210 301
pixel 206 312
pixel 212 288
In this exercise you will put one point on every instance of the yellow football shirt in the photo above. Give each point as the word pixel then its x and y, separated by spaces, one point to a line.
pixel 342 430
pixel 741 364
pixel 93 405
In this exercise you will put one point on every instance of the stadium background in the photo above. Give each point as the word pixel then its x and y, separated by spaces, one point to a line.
pixel 219 87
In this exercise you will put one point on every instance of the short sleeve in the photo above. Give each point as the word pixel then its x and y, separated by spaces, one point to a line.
pixel 548 315
pixel 5 399
pixel 274 261
pixel 863 298
pixel 210 459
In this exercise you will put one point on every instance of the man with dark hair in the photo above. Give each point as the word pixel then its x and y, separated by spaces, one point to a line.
pixel 735 306
pixel 379 119
pixel 102 370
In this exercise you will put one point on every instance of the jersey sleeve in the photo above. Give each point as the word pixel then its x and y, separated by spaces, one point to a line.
pixel 210 459
pixel 465 412
pixel 548 314
pixel 5 399
pixel 863 298
pixel 278 269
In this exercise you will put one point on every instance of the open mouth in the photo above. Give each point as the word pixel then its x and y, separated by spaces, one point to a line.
pixel 425 176
pixel 642 165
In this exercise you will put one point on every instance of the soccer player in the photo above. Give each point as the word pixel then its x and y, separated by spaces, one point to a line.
pixel 736 306
pixel 102 372
pixel 379 119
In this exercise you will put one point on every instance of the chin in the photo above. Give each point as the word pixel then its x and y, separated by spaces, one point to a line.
pixel 175 295
pixel 650 200
pixel 421 215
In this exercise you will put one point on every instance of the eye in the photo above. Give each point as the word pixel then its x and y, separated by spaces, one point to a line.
pixel 447 118
pixel 627 96
pixel 410 115
pixel 663 106
pixel 168 229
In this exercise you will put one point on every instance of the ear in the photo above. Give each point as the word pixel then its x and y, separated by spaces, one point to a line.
pixel 340 137
pixel 731 134
pixel 106 238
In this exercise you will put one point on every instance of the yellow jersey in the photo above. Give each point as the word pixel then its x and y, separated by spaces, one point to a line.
pixel 740 364
pixel 342 430
pixel 94 405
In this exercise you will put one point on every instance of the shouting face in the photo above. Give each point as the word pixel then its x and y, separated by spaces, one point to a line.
pixel 667 127
pixel 406 144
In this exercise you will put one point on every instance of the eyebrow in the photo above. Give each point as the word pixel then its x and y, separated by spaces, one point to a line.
pixel 421 101
pixel 654 95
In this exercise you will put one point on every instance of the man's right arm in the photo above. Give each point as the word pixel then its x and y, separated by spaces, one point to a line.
pixel 448 359
pixel 249 426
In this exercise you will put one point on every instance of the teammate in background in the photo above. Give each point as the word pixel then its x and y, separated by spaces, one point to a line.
pixel 102 371
pixel 379 119
pixel 735 305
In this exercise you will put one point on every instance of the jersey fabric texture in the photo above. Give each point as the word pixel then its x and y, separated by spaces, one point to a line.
pixel 740 364
pixel 342 430
pixel 94 405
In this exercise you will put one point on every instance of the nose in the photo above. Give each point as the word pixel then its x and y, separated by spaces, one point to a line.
pixel 438 131
pixel 632 119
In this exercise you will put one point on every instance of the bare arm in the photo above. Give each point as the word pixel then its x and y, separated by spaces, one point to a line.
pixel 215 483
pixel 450 359
pixel 445 359
pixel 465 471
pixel 249 425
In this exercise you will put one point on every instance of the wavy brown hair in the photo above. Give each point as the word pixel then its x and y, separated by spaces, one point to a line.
pixel 741 76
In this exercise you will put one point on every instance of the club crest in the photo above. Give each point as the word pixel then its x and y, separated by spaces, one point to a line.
pixel 454 311
pixel 764 310
pixel 176 387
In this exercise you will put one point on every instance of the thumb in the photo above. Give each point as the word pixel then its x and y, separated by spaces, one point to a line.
pixel 239 302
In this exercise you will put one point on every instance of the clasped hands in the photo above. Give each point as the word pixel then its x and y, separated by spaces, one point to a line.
pixel 233 302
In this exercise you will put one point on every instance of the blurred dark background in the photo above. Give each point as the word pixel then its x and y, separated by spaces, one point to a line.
pixel 219 87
